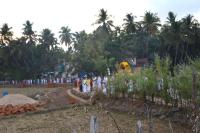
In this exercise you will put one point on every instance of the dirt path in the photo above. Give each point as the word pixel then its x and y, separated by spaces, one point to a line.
pixel 76 97
pixel 57 98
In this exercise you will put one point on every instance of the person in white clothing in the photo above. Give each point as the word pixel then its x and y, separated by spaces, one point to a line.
pixel 105 84
pixel 57 81
pixel 94 82
pixel 61 80
pixel 88 85
pixel 84 85
pixel 99 83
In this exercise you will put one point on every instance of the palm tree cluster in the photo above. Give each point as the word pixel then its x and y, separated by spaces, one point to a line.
pixel 33 54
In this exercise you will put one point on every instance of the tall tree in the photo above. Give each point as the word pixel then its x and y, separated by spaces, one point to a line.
pixel 79 40
pixel 47 39
pixel 151 22
pixel 6 34
pixel 104 20
pixel 29 33
pixel 172 38
pixel 171 18
pixel 129 25
pixel 65 35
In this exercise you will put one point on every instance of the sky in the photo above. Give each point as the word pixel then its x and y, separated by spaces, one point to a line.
pixel 82 14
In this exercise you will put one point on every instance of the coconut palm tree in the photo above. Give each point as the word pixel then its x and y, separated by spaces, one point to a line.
pixel 29 33
pixel 151 22
pixel 65 35
pixel 171 33
pixel 129 25
pixel 79 39
pixel 104 20
pixel 171 18
pixel 188 33
pixel 47 39
pixel 6 34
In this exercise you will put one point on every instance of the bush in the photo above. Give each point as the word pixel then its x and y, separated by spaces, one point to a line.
pixel 120 82
pixel 162 68
pixel 145 81
pixel 183 81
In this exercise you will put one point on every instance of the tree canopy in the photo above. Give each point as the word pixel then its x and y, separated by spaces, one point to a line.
pixel 33 54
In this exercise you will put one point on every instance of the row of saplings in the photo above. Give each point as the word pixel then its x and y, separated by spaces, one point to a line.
pixel 158 84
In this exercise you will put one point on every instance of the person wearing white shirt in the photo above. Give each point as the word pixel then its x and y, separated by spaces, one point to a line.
pixel 99 83
pixel 84 85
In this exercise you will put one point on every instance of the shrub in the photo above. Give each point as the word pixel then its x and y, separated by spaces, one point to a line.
pixel 120 82
pixel 162 72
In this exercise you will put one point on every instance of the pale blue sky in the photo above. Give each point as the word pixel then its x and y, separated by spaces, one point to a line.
pixel 80 14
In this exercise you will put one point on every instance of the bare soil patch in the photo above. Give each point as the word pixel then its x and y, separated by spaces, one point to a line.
pixel 16 99
pixel 61 118
pixel 76 119
pixel 57 98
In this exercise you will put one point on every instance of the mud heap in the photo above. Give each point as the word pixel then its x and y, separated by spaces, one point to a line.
pixel 16 104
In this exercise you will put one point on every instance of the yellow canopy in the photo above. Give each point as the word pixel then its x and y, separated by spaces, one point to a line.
pixel 125 66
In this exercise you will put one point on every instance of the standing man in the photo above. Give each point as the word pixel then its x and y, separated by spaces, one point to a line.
pixel 99 83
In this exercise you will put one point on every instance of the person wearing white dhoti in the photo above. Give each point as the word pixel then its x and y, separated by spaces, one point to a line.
pixel 61 80
pixel 57 81
pixel 84 85
pixel 54 81
pixel 99 83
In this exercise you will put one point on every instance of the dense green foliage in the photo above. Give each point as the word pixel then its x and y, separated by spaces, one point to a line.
pixel 33 54
pixel 147 82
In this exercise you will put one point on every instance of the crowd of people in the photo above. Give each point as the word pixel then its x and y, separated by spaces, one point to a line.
pixel 86 84
pixel 39 81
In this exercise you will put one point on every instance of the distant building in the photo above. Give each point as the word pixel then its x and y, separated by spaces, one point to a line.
pixel 141 62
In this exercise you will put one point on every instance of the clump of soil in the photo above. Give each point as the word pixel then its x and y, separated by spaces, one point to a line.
pixel 16 104
pixel 17 109
pixel 16 99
